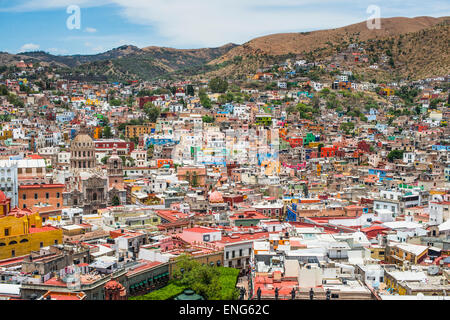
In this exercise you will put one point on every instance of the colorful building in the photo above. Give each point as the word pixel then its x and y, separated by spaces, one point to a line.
pixel 46 199
pixel 21 231
pixel 136 131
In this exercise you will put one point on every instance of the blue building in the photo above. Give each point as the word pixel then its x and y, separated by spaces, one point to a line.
pixel 438 147
pixel 381 173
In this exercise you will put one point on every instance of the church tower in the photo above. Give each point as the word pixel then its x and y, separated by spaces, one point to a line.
pixel 115 171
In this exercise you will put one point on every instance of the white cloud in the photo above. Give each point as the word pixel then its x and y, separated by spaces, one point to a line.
pixel 197 23
pixel 29 47
pixel 216 22
pixel 39 5
pixel 90 30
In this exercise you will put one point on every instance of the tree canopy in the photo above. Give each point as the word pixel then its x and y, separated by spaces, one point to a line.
pixel 218 85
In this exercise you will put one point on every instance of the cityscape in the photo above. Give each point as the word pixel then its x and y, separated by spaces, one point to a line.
pixel 309 165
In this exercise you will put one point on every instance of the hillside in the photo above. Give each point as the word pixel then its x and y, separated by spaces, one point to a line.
pixel 153 62
pixel 418 45
pixel 125 62
pixel 297 43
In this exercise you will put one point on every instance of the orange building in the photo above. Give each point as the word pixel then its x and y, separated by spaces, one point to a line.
pixel 194 175
pixel 161 162
pixel 46 199
pixel 98 132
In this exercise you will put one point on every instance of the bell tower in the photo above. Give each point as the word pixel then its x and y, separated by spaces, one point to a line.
pixel 115 171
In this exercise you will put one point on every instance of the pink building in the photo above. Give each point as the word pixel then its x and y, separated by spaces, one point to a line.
pixel 201 234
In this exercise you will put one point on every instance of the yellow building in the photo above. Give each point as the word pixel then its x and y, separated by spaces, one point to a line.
pixel 377 252
pixel 21 231
pixel 6 134
pixel 135 131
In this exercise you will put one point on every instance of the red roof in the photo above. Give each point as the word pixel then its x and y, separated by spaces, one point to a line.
pixel 201 230
pixel 171 215
pixel 145 266
pixel 243 237
pixel 37 186
pixel 42 229
pixel 55 282
pixel 34 156
pixel 374 228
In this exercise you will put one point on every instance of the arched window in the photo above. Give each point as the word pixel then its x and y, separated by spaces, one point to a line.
pixel 2 244
pixel 23 240
pixel 94 196
pixel 12 242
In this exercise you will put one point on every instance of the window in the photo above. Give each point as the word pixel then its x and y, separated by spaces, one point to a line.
pixel 41 244
pixel 13 253
pixel 47 195
pixel 240 252
pixel 35 196
pixel 232 254
pixel 7 232
pixel 24 196
pixel 227 255
pixel 56 241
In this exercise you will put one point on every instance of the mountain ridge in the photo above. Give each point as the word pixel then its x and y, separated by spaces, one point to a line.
pixel 152 62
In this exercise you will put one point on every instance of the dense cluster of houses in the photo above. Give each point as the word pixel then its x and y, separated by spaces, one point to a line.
pixel 97 201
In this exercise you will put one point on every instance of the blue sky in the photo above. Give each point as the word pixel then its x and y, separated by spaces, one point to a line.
pixel 27 25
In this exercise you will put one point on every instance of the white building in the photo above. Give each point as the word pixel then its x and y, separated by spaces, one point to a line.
pixel 9 181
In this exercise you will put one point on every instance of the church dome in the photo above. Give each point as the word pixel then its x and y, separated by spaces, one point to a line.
pixel 83 137
pixel 216 197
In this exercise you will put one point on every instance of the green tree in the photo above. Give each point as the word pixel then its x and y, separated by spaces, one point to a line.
pixel 203 279
pixel 115 201
pixel 144 93
pixel 395 154
pixel 104 159
pixel 218 85
pixel 3 90
pixel 204 99
pixel 107 132
pixel 208 119
pixel 190 90
pixel 347 127
pixel 152 111
pixel 115 102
